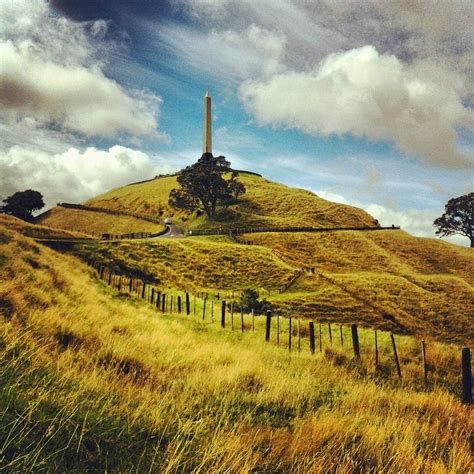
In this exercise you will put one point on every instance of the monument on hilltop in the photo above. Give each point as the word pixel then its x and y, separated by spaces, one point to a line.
pixel 207 142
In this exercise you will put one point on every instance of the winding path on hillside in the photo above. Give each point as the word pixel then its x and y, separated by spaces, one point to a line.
pixel 173 231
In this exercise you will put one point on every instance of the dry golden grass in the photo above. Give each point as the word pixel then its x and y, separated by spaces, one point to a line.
pixel 387 279
pixel 377 251
pixel 195 264
pixel 264 204
pixel 39 231
pixel 95 223
pixel 92 380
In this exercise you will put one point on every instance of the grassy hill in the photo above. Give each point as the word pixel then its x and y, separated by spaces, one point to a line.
pixel 264 204
pixel 95 223
pixel 39 231
pixel 91 379
pixel 196 264
pixel 387 279
pixel 370 278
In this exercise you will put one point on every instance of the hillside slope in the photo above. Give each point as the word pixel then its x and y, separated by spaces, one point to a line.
pixel 264 204
pixel 387 279
pixel 93 380
pixel 95 223
pixel 194 264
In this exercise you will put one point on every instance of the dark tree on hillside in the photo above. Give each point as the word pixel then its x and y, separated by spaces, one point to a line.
pixel 249 299
pixel 458 218
pixel 203 186
pixel 22 204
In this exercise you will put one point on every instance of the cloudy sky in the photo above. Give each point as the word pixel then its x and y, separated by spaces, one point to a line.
pixel 364 102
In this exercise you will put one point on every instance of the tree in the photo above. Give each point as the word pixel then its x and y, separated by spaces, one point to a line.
pixel 203 186
pixel 22 204
pixel 458 218
pixel 249 300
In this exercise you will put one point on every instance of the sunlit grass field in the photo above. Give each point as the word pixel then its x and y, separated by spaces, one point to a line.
pixel 95 223
pixel 195 264
pixel 39 231
pixel 92 379
pixel 370 280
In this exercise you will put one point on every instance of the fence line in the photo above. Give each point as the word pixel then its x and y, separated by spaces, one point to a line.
pixel 158 299
pixel 255 230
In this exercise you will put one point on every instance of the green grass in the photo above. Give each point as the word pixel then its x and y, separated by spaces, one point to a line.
pixel 195 264
pixel 39 231
pixel 264 204
pixel 95 223
pixel 95 380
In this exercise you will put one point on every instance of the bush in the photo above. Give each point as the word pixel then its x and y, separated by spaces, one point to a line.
pixel 249 299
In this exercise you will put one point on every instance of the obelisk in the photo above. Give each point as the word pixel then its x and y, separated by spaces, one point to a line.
pixel 207 145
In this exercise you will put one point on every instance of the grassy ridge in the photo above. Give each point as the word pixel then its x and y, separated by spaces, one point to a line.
pixel 264 204
pixel 378 251
pixel 39 231
pixel 95 223
pixel 195 264
pixel 93 380
pixel 388 279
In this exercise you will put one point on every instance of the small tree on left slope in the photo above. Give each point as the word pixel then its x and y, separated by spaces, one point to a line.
pixel 203 186
pixel 22 204
pixel 458 218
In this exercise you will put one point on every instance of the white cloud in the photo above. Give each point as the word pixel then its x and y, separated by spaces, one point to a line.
pixel 52 71
pixel 370 95
pixel 418 222
pixel 331 196
pixel 419 29
pixel 233 55
pixel 72 175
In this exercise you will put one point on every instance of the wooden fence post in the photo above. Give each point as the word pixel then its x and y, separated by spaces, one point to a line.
pixel 290 329
pixel 320 337
pixel 278 329
pixel 268 325
pixel 395 356
pixel 158 299
pixel 341 336
pixel 330 334
pixel 204 308
pixel 110 276
pixel 355 341
pixel 194 306
pixel 299 335
pixel 311 337
pixel 223 314
pixel 212 311
pixel 130 285
pixel 163 303
pixel 187 304
pixel 179 304
pixel 171 304
pixel 376 363
pixel 466 376
pixel 143 290
pixel 242 318
pixel 425 367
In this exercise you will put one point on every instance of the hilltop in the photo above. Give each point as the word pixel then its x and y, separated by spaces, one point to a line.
pixel 265 204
